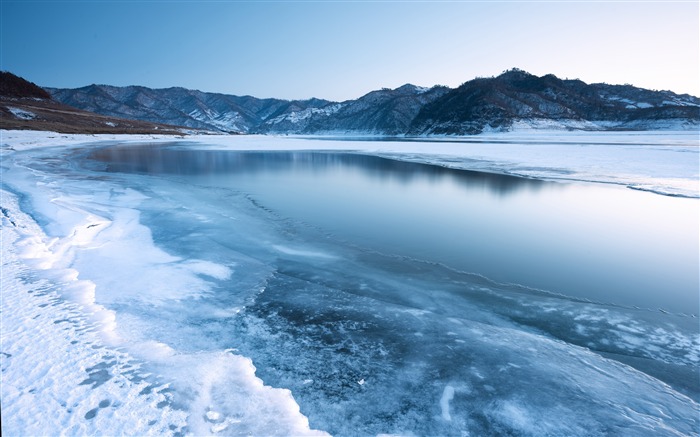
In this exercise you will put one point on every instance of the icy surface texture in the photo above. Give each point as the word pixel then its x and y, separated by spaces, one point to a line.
pixel 107 367
pixel 158 304
pixel 58 376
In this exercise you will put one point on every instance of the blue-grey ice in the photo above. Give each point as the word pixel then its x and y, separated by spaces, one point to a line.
pixel 271 286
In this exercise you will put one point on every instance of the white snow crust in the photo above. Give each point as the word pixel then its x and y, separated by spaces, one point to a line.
pixel 80 371
pixel 297 116
pixel 21 113
pixel 58 374
pixel 68 367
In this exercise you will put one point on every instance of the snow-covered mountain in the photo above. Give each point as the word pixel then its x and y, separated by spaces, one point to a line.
pixel 382 112
pixel 181 107
pixel 519 99
pixel 515 99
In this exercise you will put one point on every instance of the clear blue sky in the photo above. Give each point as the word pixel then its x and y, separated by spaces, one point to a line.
pixel 341 50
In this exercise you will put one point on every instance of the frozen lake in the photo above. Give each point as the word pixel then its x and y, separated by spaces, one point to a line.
pixel 389 295
pixel 591 241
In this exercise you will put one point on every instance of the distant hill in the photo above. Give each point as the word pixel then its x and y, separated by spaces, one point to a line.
pixel 182 107
pixel 17 87
pixel 382 112
pixel 517 98
pixel 24 105
pixel 513 100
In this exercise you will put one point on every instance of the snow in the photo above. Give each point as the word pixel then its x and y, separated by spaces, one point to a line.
pixel 76 356
pixel 447 395
pixel 86 371
pixel 302 252
pixel 540 126
pixel 20 140
pixel 21 113
pixel 228 122
pixel 298 116
pixel 678 102
pixel 107 329
pixel 55 361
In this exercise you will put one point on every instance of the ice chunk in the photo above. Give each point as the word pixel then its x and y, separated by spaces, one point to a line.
pixel 303 252
pixel 447 395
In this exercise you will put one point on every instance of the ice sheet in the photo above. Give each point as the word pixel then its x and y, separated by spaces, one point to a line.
pixel 150 320
pixel 665 162
pixel 93 377
pixel 57 372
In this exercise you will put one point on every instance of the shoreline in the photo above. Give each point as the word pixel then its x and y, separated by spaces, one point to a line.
pixel 54 354
pixel 569 156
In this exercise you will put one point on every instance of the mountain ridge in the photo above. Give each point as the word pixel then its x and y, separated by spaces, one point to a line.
pixel 25 105
pixel 514 99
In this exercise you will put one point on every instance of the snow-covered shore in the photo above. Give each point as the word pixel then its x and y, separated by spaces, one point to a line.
pixel 65 369
pixel 57 370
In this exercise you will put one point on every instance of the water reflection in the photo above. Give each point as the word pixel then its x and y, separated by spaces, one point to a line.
pixel 592 241
pixel 158 159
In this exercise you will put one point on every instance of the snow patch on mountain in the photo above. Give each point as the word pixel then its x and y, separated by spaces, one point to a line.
pixel 297 116
pixel 226 122
pixel 544 124
pixel 21 113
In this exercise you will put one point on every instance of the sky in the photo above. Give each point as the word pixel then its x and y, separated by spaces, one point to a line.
pixel 340 50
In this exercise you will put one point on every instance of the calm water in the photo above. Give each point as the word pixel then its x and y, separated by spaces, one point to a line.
pixel 590 241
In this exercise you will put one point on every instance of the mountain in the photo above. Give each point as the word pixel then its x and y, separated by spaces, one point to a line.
pixel 12 86
pixel 382 112
pixel 517 98
pixel 182 107
pixel 24 105
pixel 514 99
